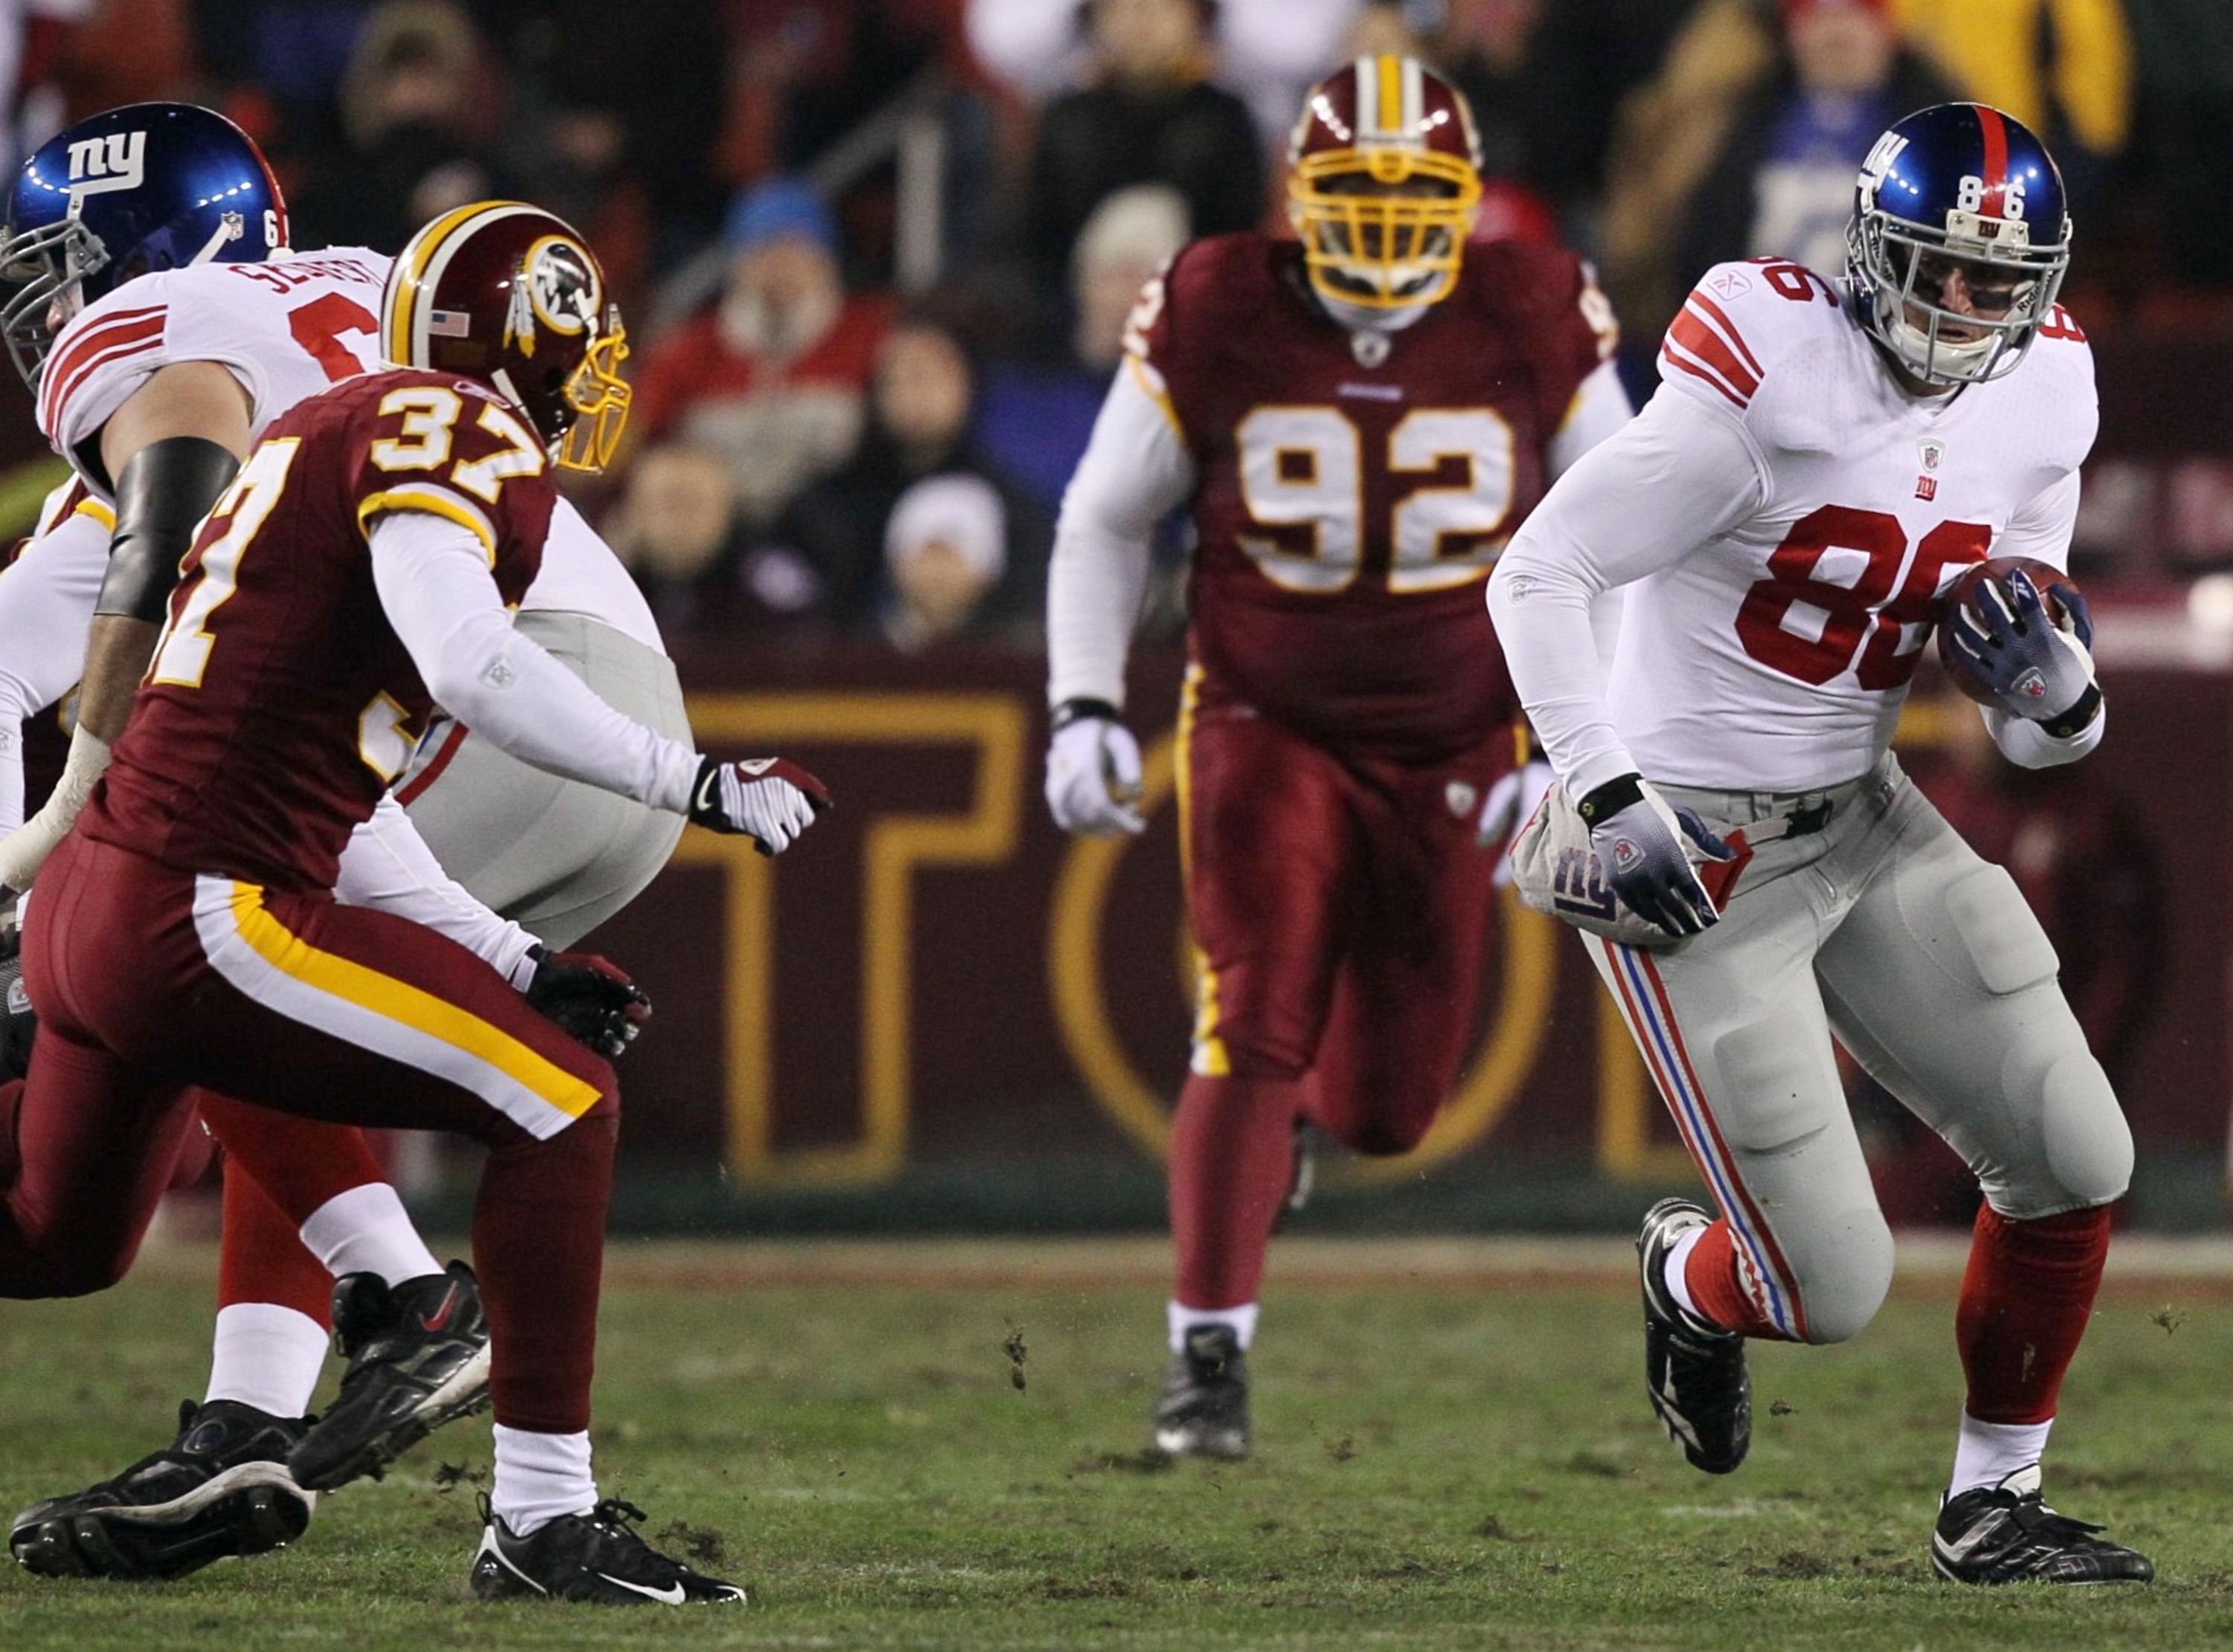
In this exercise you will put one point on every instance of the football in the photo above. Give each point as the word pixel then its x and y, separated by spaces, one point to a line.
pixel 1968 591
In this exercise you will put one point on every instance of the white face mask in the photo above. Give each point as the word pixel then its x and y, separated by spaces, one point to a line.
pixel 750 325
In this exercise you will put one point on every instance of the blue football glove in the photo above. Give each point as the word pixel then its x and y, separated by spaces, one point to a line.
pixel 1638 841
pixel 2036 668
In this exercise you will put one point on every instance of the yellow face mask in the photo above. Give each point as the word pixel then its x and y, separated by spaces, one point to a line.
pixel 1379 247
pixel 599 397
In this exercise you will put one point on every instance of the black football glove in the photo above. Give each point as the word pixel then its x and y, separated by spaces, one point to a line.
pixel 18 1022
pixel 590 999
pixel 771 800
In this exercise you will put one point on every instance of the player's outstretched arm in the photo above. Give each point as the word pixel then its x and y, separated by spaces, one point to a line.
pixel 46 605
pixel 172 448
pixel 387 866
pixel 435 584
pixel 1135 473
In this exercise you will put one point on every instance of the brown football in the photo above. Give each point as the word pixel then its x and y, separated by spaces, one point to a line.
pixel 1968 591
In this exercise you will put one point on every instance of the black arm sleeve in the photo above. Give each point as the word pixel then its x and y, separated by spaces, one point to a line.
pixel 161 498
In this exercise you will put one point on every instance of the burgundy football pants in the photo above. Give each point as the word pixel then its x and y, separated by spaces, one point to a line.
pixel 1339 903
pixel 149 981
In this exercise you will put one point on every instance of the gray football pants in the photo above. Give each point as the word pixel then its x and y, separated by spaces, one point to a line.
pixel 1887 932
pixel 557 857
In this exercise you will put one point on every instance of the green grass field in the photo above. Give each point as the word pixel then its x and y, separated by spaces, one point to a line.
pixel 1453 1452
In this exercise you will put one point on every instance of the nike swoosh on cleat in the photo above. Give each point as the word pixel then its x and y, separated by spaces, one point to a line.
pixel 440 1317
pixel 670 1596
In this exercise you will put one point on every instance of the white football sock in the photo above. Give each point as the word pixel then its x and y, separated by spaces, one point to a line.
pixel 1985 1453
pixel 366 1230
pixel 540 1477
pixel 1183 1318
pixel 267 1356
pixel 1678 1270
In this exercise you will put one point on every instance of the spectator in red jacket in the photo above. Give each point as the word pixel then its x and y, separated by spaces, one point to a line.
pixel 772 378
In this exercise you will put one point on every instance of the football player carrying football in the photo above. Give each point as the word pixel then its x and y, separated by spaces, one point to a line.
pixel 93 240
pixel 1357 421
pixel 1824 458
pixel 357 571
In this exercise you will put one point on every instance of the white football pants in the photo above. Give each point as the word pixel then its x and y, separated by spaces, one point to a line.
pixel 557 857
pixel 1887 932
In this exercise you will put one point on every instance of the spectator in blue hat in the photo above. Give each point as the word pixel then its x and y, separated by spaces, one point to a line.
pixel 771 378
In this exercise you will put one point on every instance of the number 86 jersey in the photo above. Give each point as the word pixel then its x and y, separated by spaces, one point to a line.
pixel 1791 515
pixel 1353 490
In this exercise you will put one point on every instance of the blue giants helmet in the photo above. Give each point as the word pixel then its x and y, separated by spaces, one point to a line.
pixel 1959 241
pixel 145 187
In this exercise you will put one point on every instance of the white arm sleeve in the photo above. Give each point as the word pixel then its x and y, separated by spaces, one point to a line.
pixel 1676 475
pixel 434 583
pixel 1135 471
pixel 46 610
pixel 388 866
pixel 2027 745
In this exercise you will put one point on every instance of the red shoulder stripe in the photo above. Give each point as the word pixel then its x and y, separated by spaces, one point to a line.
pixel 1729 331
pixel 126 331
pixel 1697 371
pixel 1695 347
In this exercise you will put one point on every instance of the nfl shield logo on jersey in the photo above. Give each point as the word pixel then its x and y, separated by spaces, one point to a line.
pixel 1460 797
pixel 1932 453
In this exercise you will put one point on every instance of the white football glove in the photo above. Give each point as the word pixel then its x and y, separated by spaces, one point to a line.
pixel 771 800
pixel 1093 773
pixel 1511 804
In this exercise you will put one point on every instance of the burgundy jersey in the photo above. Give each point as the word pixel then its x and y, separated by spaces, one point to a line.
pixel 1352 498
pixel 281 703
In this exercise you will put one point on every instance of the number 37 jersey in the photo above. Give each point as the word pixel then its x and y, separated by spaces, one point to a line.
pixel 1353 493
pixel 280 703
pixel 286 330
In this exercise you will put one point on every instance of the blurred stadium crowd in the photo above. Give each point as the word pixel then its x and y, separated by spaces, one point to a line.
pixel 876 255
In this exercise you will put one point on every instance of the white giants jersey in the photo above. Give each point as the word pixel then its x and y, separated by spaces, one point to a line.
pixel 286 329
pixel 1775 655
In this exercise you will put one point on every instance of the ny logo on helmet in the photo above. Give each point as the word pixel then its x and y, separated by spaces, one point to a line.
pixel 1879 164
pixel 114 160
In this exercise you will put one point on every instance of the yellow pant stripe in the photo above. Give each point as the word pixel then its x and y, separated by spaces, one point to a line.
pixel 409 1005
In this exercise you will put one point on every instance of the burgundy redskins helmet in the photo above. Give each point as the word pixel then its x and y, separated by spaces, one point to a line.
pixel 1385 176
pixel 507 294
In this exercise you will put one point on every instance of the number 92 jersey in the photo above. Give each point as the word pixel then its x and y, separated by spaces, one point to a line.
pixel 281 704
pixel 1353 492
pixel 286 329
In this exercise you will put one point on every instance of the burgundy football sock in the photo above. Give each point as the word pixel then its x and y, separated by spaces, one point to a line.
pixel 1232 1156
pixel 2026 1296
pixel 538 1244
pixel 261 1256
pixel 1720 1295
pixel 299 1162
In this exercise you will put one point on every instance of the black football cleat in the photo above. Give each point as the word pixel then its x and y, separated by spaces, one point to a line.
pixel 2005 1534
pixel 1694 1370
pixel 418 1357
pixel 220 1488
pixel 596 1555
pixel 1203 1409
